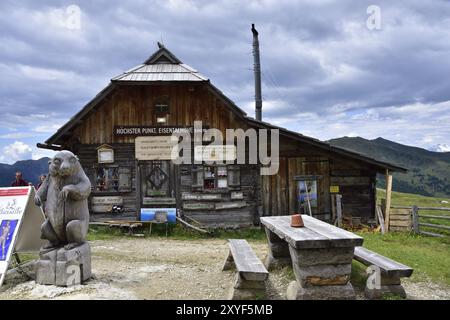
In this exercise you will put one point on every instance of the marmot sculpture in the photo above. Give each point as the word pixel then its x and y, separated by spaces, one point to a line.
pixel 64 195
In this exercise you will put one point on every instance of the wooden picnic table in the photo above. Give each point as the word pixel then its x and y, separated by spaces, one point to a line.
pixel 320 253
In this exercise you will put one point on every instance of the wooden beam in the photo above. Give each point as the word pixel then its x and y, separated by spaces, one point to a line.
pixel 388 198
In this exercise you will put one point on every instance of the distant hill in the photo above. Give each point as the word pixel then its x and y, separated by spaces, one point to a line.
pixel 429 172
pixel 31 170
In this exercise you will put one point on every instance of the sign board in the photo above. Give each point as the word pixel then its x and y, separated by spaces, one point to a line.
pixel 136 131
pixel 20 221
pixel 105 204
pixel 155 148
pixel 334 189
pixel 105 154
pixel 114 200
pixel 150 214
pixel 215 153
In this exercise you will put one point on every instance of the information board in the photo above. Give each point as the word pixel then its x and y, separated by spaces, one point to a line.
pixel 20 221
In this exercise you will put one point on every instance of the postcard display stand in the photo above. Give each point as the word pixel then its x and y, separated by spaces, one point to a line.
pixel 20 221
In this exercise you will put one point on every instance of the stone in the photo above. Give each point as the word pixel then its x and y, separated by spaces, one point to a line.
pixel 62 267
pixel 272 263
pixel 246 294
pixel 313 257
pixel 46 268
pixel 383 290
pixel 323 275
pixel 388 285
pixel 341 292
pixel 247 289
pixel 278 255
pixel 241 283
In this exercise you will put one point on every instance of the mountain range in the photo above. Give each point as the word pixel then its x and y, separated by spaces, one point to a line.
pixel 31 170
pixel 428 172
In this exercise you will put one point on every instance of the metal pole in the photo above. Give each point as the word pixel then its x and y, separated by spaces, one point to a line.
pixel 257 74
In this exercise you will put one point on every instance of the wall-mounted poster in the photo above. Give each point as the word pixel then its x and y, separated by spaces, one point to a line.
pixel 7 229
pixel 105 154
pixel 307 193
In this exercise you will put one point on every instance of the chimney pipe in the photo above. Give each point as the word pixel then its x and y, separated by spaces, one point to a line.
pixel 257 74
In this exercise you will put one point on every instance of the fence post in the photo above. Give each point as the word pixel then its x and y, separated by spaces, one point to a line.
pixel 415 217
pixel 339 210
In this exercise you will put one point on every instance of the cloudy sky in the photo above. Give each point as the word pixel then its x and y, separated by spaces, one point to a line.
pixel 329 68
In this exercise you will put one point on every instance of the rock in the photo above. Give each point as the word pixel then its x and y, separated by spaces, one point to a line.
pixel 323 274
pixel 342 292
pixel 63 267
pixel 313 257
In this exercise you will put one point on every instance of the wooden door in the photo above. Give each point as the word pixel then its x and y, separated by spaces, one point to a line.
pixel 157 184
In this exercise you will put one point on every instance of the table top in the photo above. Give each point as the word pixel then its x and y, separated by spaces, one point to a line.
pixel 315 233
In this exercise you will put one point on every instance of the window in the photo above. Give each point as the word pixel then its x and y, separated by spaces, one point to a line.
pixel 218 177
pixel 161 120
pixel 161 110
pixel 112 179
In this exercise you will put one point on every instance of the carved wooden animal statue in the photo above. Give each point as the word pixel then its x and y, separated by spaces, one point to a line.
pixel 64 196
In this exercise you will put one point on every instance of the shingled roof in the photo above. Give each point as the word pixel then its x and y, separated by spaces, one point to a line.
pixel 161 66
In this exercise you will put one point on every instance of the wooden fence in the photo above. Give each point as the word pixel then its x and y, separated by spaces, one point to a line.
pixel 422 220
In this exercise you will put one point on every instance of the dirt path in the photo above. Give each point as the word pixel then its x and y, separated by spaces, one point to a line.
pixel 132 268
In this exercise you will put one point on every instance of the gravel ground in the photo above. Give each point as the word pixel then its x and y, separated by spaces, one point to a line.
pixel 135 268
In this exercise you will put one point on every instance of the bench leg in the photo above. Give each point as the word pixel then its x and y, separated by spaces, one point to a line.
pixel 278 255
pixel 388 285
pixel 229 262
pixel 321 274
pixel 247 289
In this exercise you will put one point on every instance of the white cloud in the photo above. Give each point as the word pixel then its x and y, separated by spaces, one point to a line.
pixel 17 135
pixel 50 128
pixel 15 152
pixel 41 153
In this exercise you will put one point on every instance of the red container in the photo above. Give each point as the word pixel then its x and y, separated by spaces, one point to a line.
pixel 297 221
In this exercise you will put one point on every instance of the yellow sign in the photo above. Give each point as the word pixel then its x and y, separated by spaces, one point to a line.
pixel 334 189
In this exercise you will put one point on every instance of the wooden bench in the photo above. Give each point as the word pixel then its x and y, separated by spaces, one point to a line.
pixel 390 273
pixel 251 274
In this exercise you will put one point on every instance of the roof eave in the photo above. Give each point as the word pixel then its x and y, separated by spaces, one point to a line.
pixel 323 145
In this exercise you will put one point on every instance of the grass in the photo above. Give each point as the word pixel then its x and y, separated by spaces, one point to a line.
pixel 429 257
pixel 176 232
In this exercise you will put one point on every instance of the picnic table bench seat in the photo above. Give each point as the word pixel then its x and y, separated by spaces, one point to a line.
pixel 387 280
pixel 251 275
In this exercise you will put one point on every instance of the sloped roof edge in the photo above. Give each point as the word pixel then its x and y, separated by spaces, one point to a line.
pixel 326 146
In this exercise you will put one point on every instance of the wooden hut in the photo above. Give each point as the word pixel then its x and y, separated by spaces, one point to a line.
pixel 148 102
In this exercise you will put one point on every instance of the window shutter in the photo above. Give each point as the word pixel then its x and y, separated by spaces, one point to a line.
pixel 234 177
pixel 197 177
pixel 124 179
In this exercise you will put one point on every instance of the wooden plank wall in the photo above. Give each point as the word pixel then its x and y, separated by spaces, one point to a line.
pixel 88 159
pixel 280 190
pixel 244 215
pixel 357 186
pixel 133 105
